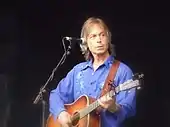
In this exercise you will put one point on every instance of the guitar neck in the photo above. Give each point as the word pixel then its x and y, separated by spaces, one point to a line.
pixel 89 109
pixel 125 86
pixel 93 105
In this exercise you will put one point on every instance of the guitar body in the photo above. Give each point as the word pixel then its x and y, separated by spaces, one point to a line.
pixel 90 120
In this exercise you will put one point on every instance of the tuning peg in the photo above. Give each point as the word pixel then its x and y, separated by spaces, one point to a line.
pixel 139 88
pixel 138 76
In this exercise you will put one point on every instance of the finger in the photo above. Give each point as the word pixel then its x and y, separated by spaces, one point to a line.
pixel 65 125
pixel 104 100
pixel 101 103
pixel 69 122
pixel 108 97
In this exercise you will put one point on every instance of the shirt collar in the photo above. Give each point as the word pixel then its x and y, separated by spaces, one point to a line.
pixel 107 63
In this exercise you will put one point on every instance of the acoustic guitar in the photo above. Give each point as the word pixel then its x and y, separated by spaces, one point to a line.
pixel 82 110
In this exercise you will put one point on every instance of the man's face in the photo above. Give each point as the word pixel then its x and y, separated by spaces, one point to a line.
pixel 97 40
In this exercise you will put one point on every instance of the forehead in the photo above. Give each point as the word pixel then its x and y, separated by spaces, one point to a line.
pixel 95 29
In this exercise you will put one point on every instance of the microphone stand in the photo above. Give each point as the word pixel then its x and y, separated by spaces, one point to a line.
pixel 42 89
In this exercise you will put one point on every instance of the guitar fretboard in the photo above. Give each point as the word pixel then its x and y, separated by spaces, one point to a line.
pixel 93 106
pixel 125 86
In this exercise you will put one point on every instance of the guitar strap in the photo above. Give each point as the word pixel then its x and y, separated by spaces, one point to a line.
pixel 109 80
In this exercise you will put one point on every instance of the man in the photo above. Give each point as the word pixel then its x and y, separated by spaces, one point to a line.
pixel 89 77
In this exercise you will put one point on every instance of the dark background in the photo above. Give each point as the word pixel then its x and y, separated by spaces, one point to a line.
pixel 31 46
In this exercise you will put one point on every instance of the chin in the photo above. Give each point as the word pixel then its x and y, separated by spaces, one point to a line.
pixel 100 53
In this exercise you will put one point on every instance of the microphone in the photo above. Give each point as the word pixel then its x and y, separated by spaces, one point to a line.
pixel 74 39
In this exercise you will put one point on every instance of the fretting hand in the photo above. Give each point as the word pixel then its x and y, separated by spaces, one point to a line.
pixel 108 103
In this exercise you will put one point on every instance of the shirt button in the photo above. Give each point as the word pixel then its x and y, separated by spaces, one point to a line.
pixel 92 82
pixel 93 73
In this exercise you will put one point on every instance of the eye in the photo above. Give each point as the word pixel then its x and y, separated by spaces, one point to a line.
pixel 93 36
pixel 102 35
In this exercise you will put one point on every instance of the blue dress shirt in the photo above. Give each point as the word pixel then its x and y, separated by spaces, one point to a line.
pixel 82 79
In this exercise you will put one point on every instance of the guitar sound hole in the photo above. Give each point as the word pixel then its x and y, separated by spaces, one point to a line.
pixel 75 119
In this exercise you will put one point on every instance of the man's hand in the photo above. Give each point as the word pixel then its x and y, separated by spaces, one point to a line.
pixel 65 119
pixel 108 103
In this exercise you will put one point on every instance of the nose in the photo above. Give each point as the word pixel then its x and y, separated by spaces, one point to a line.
pixel 98 39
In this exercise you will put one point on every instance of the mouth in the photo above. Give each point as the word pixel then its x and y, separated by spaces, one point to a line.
pixel 99 47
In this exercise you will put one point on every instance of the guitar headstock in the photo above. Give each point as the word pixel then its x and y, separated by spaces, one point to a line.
pixel 129 84
pixel 138 76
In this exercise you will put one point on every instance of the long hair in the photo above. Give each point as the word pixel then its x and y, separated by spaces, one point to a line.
pixel 85 31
